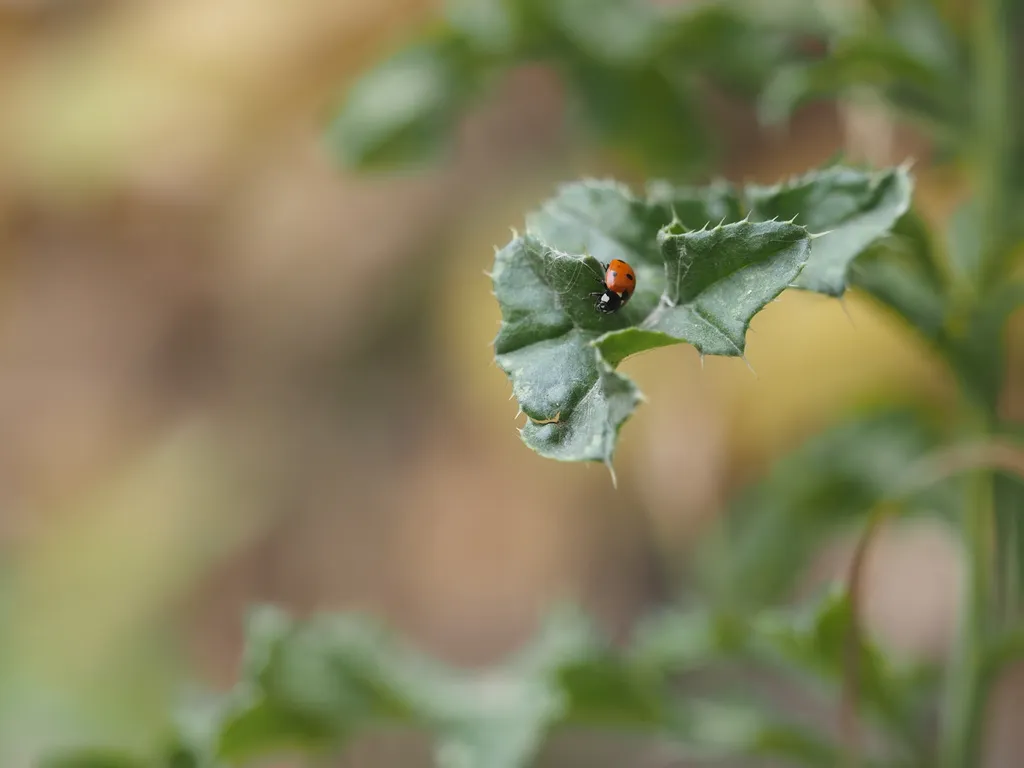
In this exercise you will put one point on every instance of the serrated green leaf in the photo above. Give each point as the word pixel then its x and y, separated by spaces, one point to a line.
pixel 702 273
pixel 403 112
pixel 854 208
pixel 694 285
pixel 716 280
pixel 695 207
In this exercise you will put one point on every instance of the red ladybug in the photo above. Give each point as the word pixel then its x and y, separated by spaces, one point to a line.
pixel 620 283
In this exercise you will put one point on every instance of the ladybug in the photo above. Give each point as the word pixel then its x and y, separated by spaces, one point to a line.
pixel 619 283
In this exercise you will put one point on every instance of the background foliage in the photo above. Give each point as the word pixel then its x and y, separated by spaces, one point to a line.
pixel 231 363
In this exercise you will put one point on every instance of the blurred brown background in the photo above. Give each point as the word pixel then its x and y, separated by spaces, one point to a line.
pixel 231 371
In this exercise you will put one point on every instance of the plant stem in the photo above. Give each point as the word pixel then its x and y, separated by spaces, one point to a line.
pixel 965 693
pixel 993 117
pixel 967 690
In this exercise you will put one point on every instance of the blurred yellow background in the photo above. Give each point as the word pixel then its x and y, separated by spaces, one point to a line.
pixel 232 371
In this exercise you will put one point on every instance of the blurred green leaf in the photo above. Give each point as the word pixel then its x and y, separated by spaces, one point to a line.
pixel 614 104
pixel 774 527
pixel 915 83
pixel 263 728
pixel 685 641
pixel 197 723
pixel 900 271
pixel 977 349
pixel 854 207
pixel 721 731
pixel 404 111
pixel 619 33
pixel 632 69
pixel 902 289
pixel 818 644
pixel 723 44
pixel 498 27
pixel 810 643
pixel 964 240
pixel 94 759
pixel 918 27
pixel 329 677
pixel 567 676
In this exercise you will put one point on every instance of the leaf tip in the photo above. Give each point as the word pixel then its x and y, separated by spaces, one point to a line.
pixel 816 235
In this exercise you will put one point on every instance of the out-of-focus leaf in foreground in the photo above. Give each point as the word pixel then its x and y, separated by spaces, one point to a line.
pixel 706 263
pixel 309 686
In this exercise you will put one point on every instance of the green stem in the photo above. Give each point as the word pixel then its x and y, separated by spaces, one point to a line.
pixel 993 117
pixel 966 694
pixel 968 682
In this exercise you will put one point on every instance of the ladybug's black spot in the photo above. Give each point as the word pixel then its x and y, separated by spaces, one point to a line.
pixel 629 276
